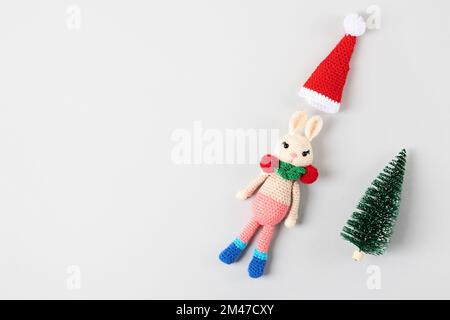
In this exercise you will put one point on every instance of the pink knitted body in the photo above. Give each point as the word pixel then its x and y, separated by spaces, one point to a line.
pixel 268 211
pixel 270 206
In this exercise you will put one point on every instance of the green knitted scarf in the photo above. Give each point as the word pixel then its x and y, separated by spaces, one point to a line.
pixel 289 171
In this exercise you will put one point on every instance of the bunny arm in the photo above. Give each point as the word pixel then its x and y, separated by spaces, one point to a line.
pixel 250 189
pixel 292 216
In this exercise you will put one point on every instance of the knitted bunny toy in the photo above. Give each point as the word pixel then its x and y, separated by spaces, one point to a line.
pixel 277 191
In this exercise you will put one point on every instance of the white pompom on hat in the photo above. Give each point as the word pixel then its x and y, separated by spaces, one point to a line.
pixel 354 25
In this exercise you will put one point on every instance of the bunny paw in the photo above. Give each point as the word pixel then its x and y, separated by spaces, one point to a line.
pixel 242 195
pixel 289 223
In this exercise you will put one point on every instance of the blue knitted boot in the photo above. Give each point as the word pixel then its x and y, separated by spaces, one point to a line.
pixel 257 265
pixel 232 252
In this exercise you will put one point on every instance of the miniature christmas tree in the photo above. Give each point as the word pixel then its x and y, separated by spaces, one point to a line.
pixel 371 225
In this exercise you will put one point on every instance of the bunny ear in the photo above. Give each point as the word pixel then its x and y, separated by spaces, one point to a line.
pixel 297 121
pixel 313 127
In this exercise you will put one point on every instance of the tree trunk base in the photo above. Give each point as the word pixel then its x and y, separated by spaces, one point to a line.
pixel 357 255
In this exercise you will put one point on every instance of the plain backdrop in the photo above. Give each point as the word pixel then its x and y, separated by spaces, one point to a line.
pixel 92 204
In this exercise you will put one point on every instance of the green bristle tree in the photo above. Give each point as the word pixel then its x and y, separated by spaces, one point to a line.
pixel 371 225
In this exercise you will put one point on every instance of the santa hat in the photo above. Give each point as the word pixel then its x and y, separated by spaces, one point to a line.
pixel 324 87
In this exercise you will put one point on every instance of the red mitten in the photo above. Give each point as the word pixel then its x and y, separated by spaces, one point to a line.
pixel 268 163
pixel 310 176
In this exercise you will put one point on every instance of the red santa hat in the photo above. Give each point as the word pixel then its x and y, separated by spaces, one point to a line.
pixel 324 87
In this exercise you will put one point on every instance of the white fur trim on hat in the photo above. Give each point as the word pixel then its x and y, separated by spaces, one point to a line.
pixel 354 25
pixel 319 101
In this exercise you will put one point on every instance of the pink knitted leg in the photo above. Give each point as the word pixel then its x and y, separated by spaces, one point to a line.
pixel 249 230
pixel 264 238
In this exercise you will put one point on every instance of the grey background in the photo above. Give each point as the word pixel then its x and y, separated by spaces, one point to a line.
pixel 86 118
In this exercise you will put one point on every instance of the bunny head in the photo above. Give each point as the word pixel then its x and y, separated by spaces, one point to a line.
pixel 295 148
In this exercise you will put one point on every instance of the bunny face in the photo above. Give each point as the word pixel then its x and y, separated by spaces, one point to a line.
pixel 295 148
